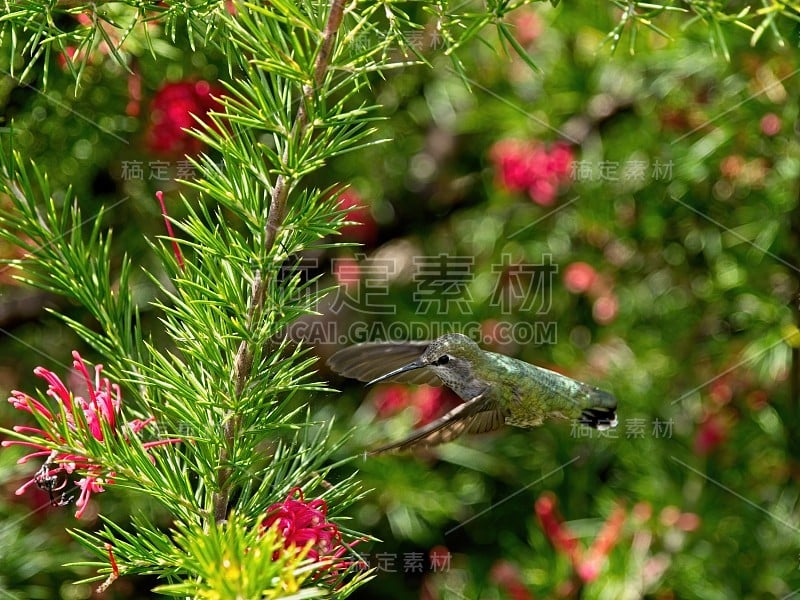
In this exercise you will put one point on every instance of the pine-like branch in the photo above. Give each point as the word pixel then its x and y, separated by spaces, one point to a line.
pixel 244 357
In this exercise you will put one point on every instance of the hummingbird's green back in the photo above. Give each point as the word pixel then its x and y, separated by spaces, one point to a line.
pixel 530 394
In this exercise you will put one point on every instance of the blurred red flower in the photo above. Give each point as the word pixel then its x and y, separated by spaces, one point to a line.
pixel 171 112
pixel 721 390
pixel 347 271
pixel 560 160
pixel 581 278
pixel 363 228
pixel 531 167
pixel 510 159
pixel 605 309
pixel 757 400
pixel 672 516
pixel 429 402
pixel 732 166
pixel 527 25
pixel 770 124
pixel 711 433
pixel 67 56
pixel 391 399
pixel 433 402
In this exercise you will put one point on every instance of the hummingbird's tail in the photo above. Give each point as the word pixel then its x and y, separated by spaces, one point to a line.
pixel 603 413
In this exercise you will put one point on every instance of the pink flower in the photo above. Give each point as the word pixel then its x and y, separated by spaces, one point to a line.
pixel 171 112
pixel 642 511
pixel 303 523
pixel 134 94
pixel 770 124
pixel 543 191
pixel 527 25
pixel 579 277
pixel 605 309
pixel 688 521
pixel 95 416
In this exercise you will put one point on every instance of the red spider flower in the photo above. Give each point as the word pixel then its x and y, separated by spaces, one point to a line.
pixel 171 113
pixel 94 416
pixel 303 523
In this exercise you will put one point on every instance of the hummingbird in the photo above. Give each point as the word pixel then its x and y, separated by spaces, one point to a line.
pixel 496 389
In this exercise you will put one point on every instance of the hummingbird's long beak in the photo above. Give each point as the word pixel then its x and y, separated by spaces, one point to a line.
pixel 417 364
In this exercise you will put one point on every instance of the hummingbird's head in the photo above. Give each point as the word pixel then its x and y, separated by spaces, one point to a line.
pixel 449 348
pixel 453 358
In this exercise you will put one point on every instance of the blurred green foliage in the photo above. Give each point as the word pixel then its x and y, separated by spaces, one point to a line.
pixel 699 255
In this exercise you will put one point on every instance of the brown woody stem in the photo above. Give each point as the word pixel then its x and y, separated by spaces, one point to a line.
pixel 277 213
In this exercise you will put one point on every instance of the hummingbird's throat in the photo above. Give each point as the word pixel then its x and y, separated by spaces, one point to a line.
pixel 459 377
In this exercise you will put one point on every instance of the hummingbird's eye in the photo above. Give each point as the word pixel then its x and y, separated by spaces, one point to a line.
pixel 443 359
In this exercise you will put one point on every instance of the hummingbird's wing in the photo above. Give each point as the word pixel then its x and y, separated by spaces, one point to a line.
pixel 370 360
pixel 471 417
